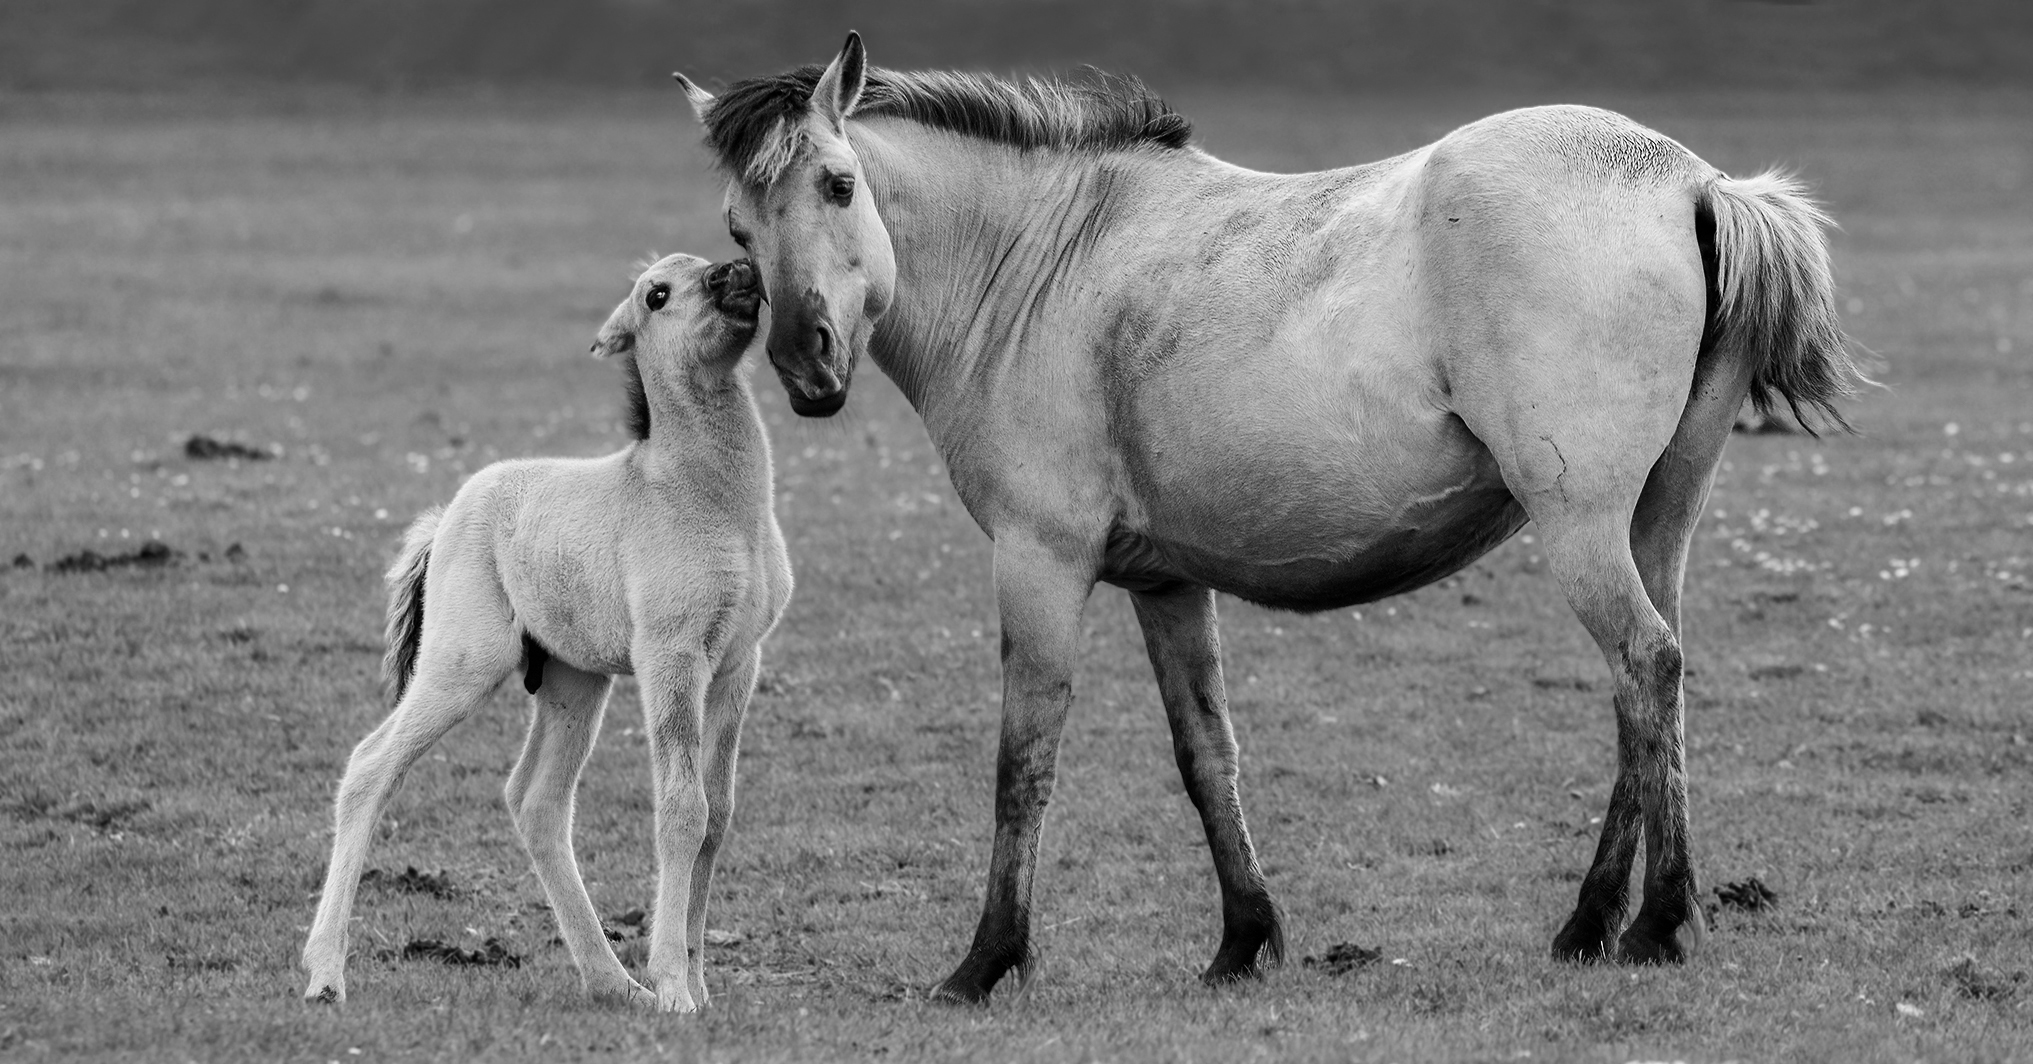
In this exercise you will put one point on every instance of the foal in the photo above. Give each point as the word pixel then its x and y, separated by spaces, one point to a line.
pixel 663 560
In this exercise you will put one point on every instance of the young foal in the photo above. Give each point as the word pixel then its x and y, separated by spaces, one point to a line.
pixel 663 559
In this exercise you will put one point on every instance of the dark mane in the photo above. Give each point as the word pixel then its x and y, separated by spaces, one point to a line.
pixel 638 400
pixel 751 124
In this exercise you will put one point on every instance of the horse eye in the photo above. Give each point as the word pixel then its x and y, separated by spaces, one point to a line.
pixel 657 297
pixel 841 188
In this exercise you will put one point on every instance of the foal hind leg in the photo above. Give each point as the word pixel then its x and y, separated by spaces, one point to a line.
pixel 459 665
pixel 1181 635
pixel 563 724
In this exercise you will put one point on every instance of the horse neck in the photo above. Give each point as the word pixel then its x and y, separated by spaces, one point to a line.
pixel 705 432
pixel 981 232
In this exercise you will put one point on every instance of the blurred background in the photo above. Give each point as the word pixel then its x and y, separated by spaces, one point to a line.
pixel 1309 44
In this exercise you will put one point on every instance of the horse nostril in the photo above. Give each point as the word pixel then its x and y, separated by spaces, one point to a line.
pixel 716 278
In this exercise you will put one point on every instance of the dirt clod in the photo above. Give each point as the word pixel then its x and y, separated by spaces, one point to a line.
pixel 492 953
pixel 151 555
pixel 1980 982
pixel 437 885
pixel 203 448
pixel 1750 895
pixel 23 561
pixel 1343 958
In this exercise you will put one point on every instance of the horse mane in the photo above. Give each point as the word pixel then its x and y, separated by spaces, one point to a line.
pixel 753 126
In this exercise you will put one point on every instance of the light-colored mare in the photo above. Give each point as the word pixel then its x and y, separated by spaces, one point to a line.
pixel 663 560
pixel 1147 367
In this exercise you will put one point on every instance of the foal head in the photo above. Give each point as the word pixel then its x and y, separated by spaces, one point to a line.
pixel 682 310
pixel 799 205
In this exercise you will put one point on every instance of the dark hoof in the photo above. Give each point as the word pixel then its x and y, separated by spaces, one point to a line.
pixel 1585 940
pixel 1249 950
pixel 328 995
pixel 954 991
pixel 975 979
pixel 1663 940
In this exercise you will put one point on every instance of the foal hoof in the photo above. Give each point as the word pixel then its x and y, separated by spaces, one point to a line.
pixel 325 994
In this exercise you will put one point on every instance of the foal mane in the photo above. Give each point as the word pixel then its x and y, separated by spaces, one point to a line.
pixel 753 126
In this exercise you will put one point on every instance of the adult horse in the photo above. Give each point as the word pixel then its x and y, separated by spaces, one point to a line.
pixel 1147 367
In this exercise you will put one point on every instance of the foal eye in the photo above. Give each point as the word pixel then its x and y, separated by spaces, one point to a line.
pixel 657 296
pixel 841 188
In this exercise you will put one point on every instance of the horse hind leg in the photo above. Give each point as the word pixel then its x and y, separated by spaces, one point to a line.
pixel 564 722
pixel 1623 579
pixel 1185 649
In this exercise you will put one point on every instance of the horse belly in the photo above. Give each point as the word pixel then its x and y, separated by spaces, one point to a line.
pixel 1308 499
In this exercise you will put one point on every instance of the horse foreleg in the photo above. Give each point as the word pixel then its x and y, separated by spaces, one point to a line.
pixel 1181 635
pixel 1039 594
pixel 540 795
pixel 673 703
pixel 726 705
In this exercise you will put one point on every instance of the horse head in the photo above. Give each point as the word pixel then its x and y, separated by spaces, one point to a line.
pixel 799 205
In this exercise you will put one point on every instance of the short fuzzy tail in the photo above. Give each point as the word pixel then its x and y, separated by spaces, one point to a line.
pixel 406 603
pixel 1774 295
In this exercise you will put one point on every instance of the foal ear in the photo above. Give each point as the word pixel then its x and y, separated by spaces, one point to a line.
pixel 615 337
pixel 839 88
pixel 700 98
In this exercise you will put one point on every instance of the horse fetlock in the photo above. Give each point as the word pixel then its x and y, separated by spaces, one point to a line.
pixel 1252 942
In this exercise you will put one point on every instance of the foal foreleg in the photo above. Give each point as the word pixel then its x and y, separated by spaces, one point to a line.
pixel 1185 647
pixel 726 705
pixel 1039 594
pixel 673 697
pixel 540 794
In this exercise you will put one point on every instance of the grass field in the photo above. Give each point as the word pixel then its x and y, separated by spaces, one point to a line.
pixel 392 291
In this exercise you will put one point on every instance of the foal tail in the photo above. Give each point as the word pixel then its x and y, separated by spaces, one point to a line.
pixel 406 603
pixel 1772 296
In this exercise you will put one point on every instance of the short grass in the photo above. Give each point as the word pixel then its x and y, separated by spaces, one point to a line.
pixel 393 291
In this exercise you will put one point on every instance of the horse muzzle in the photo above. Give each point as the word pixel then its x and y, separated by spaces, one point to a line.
pixel 815 387
pixel 735 289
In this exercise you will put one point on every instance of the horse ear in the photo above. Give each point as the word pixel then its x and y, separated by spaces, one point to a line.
pixel 701 99
pixel 839 88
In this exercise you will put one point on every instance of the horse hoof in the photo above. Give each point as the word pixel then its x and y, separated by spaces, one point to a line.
pixel 1585 940
pixel 1661 941
pixel 956 991
pixel 325 994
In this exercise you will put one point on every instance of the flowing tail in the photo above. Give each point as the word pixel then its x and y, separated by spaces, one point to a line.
pixel 1772 293
pixel 406 603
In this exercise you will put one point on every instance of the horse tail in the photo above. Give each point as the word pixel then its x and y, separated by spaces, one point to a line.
pixel 406 603
pixel 1771 293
